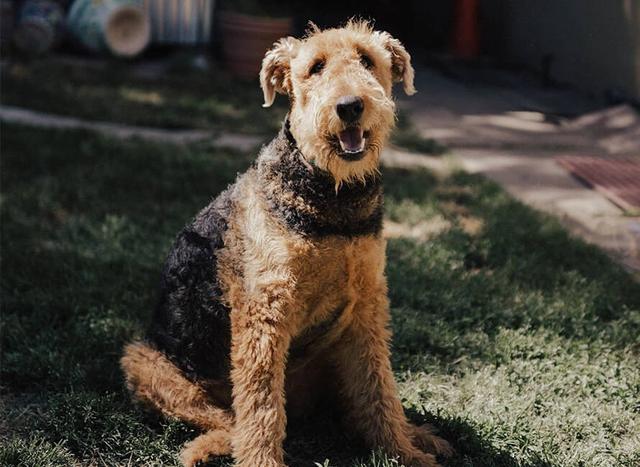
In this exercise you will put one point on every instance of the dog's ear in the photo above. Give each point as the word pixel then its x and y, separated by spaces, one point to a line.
pixel 275 75
pixel 401 68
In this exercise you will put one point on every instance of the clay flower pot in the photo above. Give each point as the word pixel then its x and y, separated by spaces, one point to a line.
pixel 246 38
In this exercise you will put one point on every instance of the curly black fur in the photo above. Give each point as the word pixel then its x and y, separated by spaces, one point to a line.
pixel 318 210
pixel 191 325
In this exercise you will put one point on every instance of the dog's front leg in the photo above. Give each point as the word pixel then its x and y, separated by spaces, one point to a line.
pixel 368 382
pixel 260 342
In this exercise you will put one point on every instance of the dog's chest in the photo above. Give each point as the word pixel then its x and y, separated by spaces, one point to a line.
pixel 331 276
pixel 322 276
pixel 322 280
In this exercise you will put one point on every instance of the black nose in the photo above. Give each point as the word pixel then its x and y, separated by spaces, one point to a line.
pixel 350 108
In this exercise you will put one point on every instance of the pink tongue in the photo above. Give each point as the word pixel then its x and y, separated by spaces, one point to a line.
pixel 351 139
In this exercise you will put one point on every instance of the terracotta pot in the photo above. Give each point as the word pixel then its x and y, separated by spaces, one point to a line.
pixel 245 40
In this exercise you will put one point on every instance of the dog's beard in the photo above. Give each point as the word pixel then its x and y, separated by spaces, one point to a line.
pixel 319 132
pixel 344 170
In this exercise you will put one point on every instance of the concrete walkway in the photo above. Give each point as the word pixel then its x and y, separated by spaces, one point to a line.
pixel 510 129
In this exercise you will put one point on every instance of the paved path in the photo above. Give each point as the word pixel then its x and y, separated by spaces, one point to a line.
pixel 510 129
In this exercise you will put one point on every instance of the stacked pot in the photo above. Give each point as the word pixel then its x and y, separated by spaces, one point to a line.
pixel 118 27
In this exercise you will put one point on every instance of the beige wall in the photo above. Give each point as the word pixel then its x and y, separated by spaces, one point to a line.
pixel 595 44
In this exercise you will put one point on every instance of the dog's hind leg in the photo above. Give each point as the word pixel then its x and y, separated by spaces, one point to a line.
pixel 155 381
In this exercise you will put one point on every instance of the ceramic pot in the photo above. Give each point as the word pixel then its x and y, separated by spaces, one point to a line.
pixel 180 21
pixel 117 26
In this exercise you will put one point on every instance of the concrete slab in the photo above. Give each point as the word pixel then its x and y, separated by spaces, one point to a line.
pixel 511 129
pixel 537 180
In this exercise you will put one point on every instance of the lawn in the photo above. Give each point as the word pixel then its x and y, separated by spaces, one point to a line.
pixel 517 341
pixel 172 96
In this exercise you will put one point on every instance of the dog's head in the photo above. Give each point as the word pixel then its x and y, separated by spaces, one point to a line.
pixel 339 86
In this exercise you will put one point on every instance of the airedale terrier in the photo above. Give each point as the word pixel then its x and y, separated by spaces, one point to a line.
pixel 283 273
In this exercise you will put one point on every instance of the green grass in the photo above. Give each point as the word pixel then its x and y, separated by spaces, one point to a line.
pixel 179 97
pixel 518 342
pixel 182 97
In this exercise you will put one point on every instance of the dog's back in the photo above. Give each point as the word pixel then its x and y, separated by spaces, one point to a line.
pixel 191 323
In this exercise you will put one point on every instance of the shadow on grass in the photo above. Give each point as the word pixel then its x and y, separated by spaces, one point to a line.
pixel 471 448
pixel 86 224
pixel 408 137
pixel 179 97
pixel 520 269
pixel 325 438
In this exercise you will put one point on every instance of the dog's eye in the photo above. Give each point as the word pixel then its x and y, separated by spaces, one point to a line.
pixel 317 67
pixel 366 61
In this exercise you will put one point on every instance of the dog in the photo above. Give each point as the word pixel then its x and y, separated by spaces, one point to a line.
pixel 283 273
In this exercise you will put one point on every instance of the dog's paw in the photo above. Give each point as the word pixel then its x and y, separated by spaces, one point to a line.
pixel 419 459
pixel 423 437
pixel 194 458
pixel 198 452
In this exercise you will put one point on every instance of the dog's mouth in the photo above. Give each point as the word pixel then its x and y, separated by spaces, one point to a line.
pixel 352 142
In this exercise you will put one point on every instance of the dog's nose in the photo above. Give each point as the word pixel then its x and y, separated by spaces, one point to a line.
pixel 350 108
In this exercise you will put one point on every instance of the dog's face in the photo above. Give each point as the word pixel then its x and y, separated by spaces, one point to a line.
pixel 339 85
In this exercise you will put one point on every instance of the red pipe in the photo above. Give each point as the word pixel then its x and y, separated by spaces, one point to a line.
pixel 466 36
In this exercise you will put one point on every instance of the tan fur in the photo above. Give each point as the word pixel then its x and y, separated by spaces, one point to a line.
pixel 156 381
pixel 204 447
pixel 279 284
pixel 286 70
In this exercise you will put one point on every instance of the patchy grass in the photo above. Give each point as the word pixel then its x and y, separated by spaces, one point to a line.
pixel 171 96
pixel 180 97
pixel 518 342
